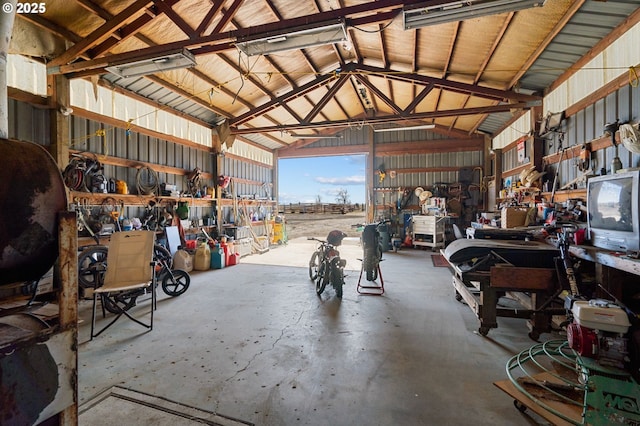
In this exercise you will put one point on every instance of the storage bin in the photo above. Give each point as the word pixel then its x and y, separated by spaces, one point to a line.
pixel 511 217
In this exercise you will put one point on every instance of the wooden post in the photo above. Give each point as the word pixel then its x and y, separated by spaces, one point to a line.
pixel 59 99
pixel 68 299
pixel 217 166
pixel 275 184
pixel 370 178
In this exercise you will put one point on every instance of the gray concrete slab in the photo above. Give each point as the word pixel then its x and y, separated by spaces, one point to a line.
pixel 254 342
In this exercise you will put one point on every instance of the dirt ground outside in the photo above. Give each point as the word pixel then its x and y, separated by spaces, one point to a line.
pixel 320 224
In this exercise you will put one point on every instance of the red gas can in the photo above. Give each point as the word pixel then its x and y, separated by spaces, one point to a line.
pixel 234 259
pixel 227 253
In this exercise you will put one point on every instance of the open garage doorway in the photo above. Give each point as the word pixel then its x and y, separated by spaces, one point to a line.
pixel 319 194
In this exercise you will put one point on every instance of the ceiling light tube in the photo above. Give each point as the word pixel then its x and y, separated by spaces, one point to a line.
pixel 316 136
pixel 460 10
pixel 150 65
pixel 398 129
pixel 294 39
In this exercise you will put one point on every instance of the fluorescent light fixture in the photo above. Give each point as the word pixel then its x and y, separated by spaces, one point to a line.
pixel 398 129
pixel 294 39
pixel 460 10
pixel 316 136
pixel 168 61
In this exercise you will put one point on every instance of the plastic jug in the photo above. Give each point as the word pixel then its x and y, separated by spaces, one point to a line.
pixel 202 261
pixel 182 260
pixel 217 257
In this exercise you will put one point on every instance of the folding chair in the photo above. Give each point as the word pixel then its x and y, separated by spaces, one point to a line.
pixel 130 268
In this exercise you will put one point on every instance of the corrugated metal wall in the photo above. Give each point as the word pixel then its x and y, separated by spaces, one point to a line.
pixel 28 123
pixel 587 125
pixel 135 146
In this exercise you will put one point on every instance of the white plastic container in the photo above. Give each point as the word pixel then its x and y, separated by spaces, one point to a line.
pixel 601 315
pixel 183 260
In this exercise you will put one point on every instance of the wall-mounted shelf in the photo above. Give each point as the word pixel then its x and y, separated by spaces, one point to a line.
pixel 97 199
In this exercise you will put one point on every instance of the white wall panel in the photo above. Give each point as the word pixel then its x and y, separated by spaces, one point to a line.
pixel 26 75
pixel 516 130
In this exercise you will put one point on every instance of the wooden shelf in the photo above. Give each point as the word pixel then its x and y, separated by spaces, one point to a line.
pixel 97 199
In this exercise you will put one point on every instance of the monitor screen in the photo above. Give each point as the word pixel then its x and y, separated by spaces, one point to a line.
pixel 610 204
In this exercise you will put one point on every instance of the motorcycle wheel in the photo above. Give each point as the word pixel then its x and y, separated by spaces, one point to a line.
pixel 338 281
pixel 176 282
pixel 322 279
pixel 314 266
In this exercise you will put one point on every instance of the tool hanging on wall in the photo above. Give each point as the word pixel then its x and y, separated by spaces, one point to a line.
pixel 584 158
pixel 611 129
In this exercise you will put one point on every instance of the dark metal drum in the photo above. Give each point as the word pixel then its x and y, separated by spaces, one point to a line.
pixel 32 193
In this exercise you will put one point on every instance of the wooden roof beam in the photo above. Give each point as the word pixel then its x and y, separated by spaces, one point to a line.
pixel 105 31
pixel 385 119
pixel 227 17
pixel 326 98
pixel 480 91
pixel 390 9
pixel 417 99
pixel 274 103
pixel 373 88
pixel 165 7
pixel 548 39
pixel 208 18
pixel 128 30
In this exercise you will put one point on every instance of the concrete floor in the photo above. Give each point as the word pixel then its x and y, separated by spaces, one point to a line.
pixel 254 342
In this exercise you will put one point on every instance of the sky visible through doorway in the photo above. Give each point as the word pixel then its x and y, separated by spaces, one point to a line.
pixel 303 180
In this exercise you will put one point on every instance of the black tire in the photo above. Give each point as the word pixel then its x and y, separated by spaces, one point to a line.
pixel 176 282
pixel 161 253
pixel 124 301
pixel 338 281
pixel 314 265
pixel 92 264
pixel 322 279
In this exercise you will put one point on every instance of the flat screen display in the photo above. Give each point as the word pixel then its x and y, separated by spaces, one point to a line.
pixel 610 204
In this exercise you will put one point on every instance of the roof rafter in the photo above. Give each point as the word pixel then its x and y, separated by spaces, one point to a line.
pixel 274 103
pixel 385 119
pixel 127 31
pixel 104 32
pixel 390 7
pixel 326 98
pixel 165 7
pixel 373 88
pixel 454 86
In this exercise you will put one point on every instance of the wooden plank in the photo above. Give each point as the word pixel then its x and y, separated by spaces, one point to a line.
pixel 570 411
pixel 516 278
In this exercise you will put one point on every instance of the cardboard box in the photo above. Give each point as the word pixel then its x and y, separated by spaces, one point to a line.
pixel 512 217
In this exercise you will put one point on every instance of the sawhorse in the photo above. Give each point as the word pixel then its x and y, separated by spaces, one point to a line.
pixel 370 290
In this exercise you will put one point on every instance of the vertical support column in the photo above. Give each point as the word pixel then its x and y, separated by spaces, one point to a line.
pixel 6 28
pixel 68 299
pixel 486 170
pixel 274 180
pixel 217 166
pixel 537 144
pixel 369 173
pixel 59 99
pixel 497 164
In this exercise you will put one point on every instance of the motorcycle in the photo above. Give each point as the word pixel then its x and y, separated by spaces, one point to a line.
pixel 372 248
pixel 326 266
